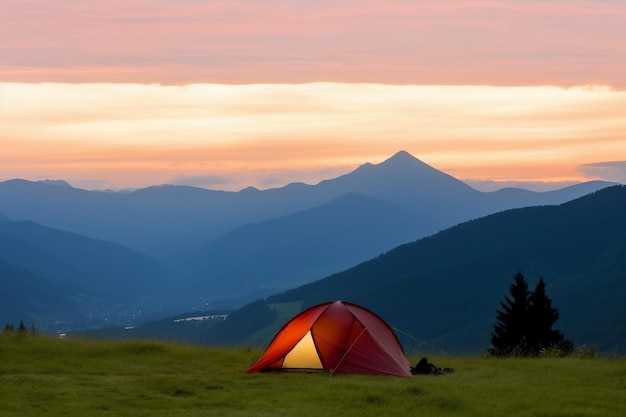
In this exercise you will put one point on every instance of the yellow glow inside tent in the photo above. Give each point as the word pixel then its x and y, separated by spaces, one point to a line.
pixel 303 355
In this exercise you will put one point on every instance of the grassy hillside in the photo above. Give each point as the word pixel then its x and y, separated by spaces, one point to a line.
pixel 71 377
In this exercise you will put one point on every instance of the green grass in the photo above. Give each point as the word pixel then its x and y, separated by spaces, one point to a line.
pixel 42 376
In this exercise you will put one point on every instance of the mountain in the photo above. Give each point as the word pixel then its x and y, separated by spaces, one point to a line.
pixel 4 219
pixel 30 298
pixel 151 218
pixel 139 219
pixel 97 275
pixel 299 248
pixel 444 289
pixel 406 181
pixel 438 197
pixel 259 242
pixel 259 258
pixel 169 221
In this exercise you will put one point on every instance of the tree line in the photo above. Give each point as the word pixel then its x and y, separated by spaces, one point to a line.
pixel 10 327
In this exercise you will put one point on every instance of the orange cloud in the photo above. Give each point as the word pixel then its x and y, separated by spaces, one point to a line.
pixel 137 135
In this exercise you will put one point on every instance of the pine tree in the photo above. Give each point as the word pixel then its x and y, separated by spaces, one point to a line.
pixel 510 332
pixel 524 325
pixel 543 316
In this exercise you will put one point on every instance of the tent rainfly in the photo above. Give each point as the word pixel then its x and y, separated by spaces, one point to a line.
pixel 338 337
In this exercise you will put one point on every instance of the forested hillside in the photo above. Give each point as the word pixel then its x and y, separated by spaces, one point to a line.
pixel 445 289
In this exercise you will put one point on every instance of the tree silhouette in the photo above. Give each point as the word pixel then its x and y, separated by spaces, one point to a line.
pixel 512 321
pixel 543 316
pixel 524 324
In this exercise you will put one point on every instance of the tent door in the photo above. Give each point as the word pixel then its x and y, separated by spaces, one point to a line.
pixel 303 355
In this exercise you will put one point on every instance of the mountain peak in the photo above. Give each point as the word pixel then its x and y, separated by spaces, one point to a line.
pixel 404 159
pixel 403 164
pixel 402 156
pixel 401 160
pixel 406 181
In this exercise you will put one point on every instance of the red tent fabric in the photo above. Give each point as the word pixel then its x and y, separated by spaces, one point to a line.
pixel 339 337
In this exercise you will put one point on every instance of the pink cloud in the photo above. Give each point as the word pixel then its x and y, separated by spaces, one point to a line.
pixel 608 171
pixel 448 42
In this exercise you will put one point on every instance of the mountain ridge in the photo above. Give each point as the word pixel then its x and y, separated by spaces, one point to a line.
pixel 579 247
pixel 280 248
pixel 93 277
pixel 383 205
pixel 168 215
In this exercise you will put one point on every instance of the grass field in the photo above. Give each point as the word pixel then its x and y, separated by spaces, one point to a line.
pixel 42 376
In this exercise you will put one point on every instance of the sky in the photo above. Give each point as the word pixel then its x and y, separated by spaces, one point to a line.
pixel 229 94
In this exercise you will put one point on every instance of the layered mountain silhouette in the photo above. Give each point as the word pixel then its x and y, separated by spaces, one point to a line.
pixel 227 248
pixel 31 298
pixel 298 248
pixel 49 272
pixel 285 251
pixel 444 289
pixel 172 216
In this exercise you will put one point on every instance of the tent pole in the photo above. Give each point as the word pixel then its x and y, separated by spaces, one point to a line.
pixel 347 351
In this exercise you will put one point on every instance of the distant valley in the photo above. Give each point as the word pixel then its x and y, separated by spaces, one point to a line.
pixel 441 292
pixel 168 249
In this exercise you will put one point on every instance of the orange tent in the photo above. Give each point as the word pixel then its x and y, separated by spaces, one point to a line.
pixel 338 337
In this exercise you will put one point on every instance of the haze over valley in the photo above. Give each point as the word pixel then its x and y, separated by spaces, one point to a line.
pixel 77 259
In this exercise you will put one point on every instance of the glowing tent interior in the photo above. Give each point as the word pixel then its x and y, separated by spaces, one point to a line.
pixel 338 337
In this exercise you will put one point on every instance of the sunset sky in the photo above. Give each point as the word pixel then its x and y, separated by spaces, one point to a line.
pixel 230 94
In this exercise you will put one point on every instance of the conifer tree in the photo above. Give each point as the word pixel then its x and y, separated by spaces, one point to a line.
pixel 510 331
pixel 524 325
pixel 543 316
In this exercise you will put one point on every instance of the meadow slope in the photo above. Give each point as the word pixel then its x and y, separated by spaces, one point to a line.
pixel 72 377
